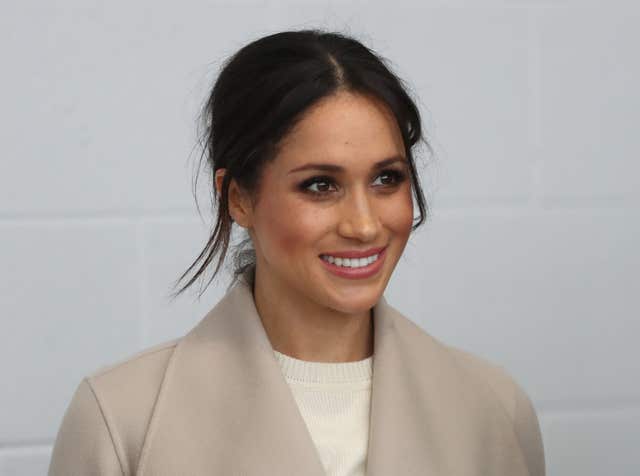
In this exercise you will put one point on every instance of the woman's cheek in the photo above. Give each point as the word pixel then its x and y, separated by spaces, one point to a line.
pixel 293 227
pixel 400 213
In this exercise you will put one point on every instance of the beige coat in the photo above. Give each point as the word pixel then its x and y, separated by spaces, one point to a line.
pixel 215 402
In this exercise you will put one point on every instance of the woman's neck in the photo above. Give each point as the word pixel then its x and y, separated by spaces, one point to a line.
pixel 300 328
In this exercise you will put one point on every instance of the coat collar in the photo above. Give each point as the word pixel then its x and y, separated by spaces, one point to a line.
pixel 224 406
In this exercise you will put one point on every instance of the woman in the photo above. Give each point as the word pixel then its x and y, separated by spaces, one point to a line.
pixel 303 368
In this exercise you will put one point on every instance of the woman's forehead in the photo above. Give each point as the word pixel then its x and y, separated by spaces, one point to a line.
pixel 342 127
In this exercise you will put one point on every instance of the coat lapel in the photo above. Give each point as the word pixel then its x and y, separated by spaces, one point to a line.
pixel 224 406
pixel 429 416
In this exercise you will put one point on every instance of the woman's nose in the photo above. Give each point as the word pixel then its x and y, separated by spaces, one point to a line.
pixel 358 217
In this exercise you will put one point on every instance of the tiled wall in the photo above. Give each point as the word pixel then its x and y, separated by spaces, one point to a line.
pixel 529 258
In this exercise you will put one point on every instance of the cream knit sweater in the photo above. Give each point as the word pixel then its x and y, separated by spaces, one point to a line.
pixel 334 401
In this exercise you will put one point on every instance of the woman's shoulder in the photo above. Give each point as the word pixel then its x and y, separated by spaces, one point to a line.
pixel 146 362
pixel 492 387
pixel 110 411
pixel 127 389
pixel 485 371
pixel 478 370
pixel 513 399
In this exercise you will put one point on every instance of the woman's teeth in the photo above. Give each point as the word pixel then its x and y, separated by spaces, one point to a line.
pixel 350 262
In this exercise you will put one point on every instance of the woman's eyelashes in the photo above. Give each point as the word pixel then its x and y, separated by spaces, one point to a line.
pixel 395 178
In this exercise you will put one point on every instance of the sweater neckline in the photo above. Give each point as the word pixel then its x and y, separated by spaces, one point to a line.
pixel 324 372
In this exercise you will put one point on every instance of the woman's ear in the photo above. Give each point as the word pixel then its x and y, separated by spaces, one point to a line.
pixel 239 203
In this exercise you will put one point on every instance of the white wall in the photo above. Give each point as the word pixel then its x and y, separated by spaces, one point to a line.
pixel 530 257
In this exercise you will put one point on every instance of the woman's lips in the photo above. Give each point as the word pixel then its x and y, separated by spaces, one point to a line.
pixel 360 272
pixel 355 253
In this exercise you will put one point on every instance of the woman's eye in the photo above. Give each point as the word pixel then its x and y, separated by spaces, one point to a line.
pixel 322 183
pixel 396 176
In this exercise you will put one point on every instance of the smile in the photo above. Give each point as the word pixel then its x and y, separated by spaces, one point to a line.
pixel 354 268
pixel 351 262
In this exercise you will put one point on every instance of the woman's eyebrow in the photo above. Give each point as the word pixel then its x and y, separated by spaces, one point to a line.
pixel 338 168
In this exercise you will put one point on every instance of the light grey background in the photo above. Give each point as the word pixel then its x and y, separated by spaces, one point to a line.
pixel 530 257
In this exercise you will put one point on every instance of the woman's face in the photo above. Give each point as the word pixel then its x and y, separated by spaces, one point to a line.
pixel 304 212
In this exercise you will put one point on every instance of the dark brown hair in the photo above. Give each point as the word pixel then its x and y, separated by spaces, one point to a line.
pixel 261 92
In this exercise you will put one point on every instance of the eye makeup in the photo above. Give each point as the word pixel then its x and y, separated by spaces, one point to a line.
pixel 398 176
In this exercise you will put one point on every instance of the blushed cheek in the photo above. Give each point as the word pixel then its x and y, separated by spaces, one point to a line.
pixel 287 229
pixel 399 213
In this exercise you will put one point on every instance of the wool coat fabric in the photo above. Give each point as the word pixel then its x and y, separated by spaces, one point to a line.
pixel 215 402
